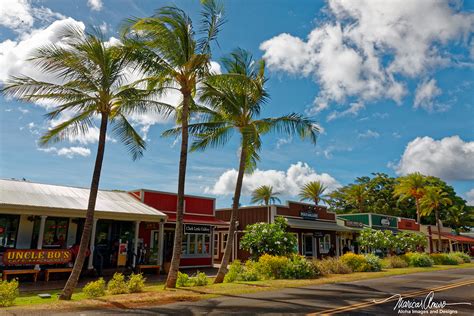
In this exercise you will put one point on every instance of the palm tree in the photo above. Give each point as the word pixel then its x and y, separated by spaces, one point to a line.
pixel 313 191
pixel 459 218
pixel 433 199
pixel 92 76
pixel 411 186
pixel 264 195
pixel 357 195
pixel 235 100
pixel 173 59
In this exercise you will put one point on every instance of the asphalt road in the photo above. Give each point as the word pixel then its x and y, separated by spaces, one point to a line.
pixel 454 286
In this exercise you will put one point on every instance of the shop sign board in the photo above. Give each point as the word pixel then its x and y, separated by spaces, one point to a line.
pixel 36 256
pixel 197 229
pixel 309 213
pixel 318 234
pixel 354 224
pixel 385 221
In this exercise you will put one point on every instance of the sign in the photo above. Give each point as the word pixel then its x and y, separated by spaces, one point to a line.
pixel 318 234
pixel 354 224
pixel 309 212
pixel 197 229
pixel 385 221
pixel 36 256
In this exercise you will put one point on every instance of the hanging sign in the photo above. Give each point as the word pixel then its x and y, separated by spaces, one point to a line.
pixel 197 229
pixel 36 256
pixel 318 234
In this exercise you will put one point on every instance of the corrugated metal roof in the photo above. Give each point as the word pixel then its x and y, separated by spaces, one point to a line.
pixel 28 194
pixel 317 225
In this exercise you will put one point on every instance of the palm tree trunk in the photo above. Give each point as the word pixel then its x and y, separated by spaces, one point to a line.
pixel 418 217
pixel 71 283
pixel 178 232
pixel 233 218
pixel 439 229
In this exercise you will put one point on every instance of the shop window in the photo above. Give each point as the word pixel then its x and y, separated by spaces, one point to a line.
pixel 325 244
pixel 55 232
pixel 224 241
pixel 8 230
pixel 216 245
pixel 196 244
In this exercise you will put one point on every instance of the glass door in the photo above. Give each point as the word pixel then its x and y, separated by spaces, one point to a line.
pixel 308 245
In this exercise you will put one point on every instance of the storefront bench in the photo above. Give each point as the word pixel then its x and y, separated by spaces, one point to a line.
pixel 141 267
pixel 47 272
pixel 6 273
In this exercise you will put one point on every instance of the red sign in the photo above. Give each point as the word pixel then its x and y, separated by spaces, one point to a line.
pixel 36 256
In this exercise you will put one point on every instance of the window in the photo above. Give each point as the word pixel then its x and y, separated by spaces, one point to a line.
pixel 224 241
pixel 55 232
pixel 196 244
pixel 325 244
pixel 216 245
pixel 8 230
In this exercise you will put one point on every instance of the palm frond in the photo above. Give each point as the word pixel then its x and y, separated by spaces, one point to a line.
pixel 129 137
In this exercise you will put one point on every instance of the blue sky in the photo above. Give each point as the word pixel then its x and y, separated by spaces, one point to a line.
pixel 390 84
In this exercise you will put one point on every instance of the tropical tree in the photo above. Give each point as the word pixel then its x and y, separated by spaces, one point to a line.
pixel 433 199
pixel 313 191
pixel 459 218
pixel 264 195
pixel 411 186
pixel 173 58
pixel 357 195
pixel 235 101
pixel 92 76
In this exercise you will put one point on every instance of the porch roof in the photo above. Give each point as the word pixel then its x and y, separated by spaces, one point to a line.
pixel 316 225
pixel 21 197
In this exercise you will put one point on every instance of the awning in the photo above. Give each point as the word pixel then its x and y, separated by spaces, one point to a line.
pixel 316 225
pixel 22 197
pixel 458 238
pixel 197 219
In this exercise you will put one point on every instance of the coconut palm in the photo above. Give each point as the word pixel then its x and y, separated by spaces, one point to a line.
pixel 433 199
pixel 264 195
pixel 92 76
pixel 411 186
pixel 357 195
pixel 235 100
pixel 313 191
pixel 174 59
pixel 459 217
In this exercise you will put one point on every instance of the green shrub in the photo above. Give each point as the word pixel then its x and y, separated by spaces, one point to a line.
pixel 331 266
pixel 272 267
pixel 117 284
pixel 419 259
pixel 373 264
pixel 8 292
pixel 182 280
pixel 394 262
pixel 464 256
pixel 455 258
pixel 235 271
pixel 355 262
pixel 200 279
pixel 94 288
pixel 298 267
pixel 251 271
pixel 136 283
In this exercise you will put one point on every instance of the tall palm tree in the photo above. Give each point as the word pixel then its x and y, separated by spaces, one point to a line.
pixel 264 195
pixel 174 59
pixel 235 100
pixel 313 191
pixel 92 76
pixel 411 186
pixel 357 195
pixel 433 199
pixel 459 217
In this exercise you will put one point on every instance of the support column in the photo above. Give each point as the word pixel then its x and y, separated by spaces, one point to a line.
pixel 450 245
pixel 39 245
pixel 161 241
pixel 338 240
pixel 90 265
pixel 135 243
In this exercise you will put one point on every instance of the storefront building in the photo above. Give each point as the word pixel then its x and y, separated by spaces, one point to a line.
pixel 50 217
pixel 315 227
pixel 374 221
pixel 449 241
pixel 201 242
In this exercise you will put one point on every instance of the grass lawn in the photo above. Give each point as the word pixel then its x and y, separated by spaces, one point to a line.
pixel 155 294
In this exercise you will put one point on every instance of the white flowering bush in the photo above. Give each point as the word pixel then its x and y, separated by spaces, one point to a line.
pixel 403 241
pixel 272 239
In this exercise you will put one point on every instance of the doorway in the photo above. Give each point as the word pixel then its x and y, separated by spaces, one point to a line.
pixel 308 245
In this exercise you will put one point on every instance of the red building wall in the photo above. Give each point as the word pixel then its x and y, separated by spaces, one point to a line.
pixel 408 224
pixel 167 202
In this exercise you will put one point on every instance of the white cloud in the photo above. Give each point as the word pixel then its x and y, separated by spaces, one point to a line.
pixel 367 48
pixel 450 158
pixel 353 110
pixel 470 197
pixel 287 183
pixel 369 134
pixel 95 5
pixel 425 94
pixel 68 152
pixel 283 141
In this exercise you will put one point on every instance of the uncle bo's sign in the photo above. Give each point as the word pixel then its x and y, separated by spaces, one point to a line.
pixel 36 256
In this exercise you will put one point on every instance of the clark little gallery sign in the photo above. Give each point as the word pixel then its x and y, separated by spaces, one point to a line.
pixel 36 256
